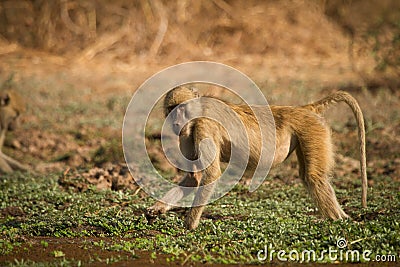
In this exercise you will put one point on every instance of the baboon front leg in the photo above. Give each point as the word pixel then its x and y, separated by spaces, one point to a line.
pixel 2 138
pixel 4 167
pixel 6 162
pixel 190 181
pixel 15 163
pixel 207 185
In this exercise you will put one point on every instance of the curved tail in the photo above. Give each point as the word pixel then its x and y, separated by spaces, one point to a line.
pixel 341 96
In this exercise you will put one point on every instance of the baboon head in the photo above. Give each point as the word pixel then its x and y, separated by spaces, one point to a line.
pixel 176 101
pixel 11 107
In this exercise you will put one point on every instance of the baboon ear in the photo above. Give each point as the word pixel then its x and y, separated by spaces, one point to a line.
pixel 4 99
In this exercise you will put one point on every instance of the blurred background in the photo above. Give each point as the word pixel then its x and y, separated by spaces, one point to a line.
pixel 78 63
pixel 360 40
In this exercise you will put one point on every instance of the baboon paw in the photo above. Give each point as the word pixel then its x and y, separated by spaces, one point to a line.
pixel 339 216
pixel 191 223
pixel 345 216
pixel 155 210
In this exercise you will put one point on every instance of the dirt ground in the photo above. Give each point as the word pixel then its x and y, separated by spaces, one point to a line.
pixel 81 250
pixel 77 80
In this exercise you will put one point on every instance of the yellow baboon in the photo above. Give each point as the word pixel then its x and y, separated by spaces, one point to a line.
pixel 301 129
pixel 11 107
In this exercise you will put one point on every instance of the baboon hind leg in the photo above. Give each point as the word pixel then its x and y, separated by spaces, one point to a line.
pixel 314 169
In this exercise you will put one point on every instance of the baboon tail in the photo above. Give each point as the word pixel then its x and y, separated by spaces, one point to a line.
pixel 341 96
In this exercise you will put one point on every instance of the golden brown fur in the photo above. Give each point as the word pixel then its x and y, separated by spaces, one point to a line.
pixel 11 107
pixel 297 128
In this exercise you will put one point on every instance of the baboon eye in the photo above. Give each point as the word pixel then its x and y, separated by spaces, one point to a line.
pixel 170 109
pixel 182 106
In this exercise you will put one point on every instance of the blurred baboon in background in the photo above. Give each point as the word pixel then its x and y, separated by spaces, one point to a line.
pixel 11 107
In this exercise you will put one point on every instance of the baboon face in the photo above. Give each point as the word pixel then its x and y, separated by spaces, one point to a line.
pixel 11 107
pixel 179 116
pixel 4 99
pixel 176 102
